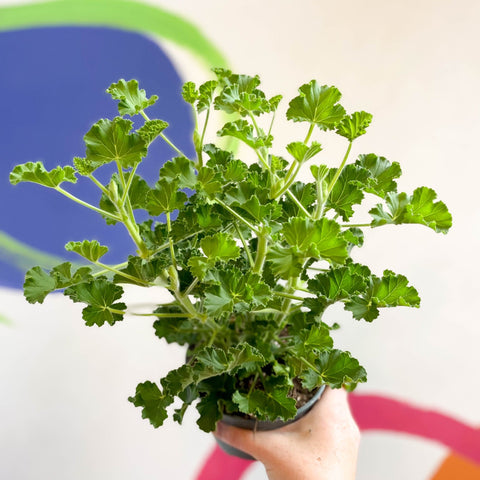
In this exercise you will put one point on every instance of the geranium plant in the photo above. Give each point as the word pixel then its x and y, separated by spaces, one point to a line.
pixel 251 256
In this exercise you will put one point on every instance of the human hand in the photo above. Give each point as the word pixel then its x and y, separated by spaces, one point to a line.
pixel 322 445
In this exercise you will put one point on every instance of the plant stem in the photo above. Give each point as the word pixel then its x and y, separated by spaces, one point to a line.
pixel 288 295
pixel 297 202
pixel 357 225
pixel 164 137
pixel 85 204
pixel 98 184
pixel 339 170
pixel 309 134
pixel 245 246
pixel 123 274
pixel 170 240
pixel 262 247
pixel 237 215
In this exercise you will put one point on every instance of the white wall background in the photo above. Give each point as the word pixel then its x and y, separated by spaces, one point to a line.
pixel 415 66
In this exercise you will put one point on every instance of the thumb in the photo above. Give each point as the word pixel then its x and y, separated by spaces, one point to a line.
pixel 239 438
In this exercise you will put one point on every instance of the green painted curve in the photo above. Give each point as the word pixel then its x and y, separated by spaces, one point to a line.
pixel 123 14
pixel 128 15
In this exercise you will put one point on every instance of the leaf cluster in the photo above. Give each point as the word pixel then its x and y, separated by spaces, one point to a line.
pixel 252 257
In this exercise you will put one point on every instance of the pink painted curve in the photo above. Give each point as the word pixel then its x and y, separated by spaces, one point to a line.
pixel 375 412
pixel 221 466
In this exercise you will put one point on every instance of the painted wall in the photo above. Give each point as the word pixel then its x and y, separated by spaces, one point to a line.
pixel 414 65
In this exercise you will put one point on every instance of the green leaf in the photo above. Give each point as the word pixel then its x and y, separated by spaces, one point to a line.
pixel 89 249
pixel 316 238
pixel 241 95
pixel 205 98
pixel 144 270
pixel 165 197
pixel 382 174
pixel 254 200
pixel 285 262
pixel 210 413
pixel 151 129
pixel 302 152
pixel 38 284
pixel 244 131
pixel 154 404
pixel 308 341
pixel 210 362
pixel 391 290
pixel 318 105
pixel 100 295
pixel 274 102
pixel 110 140
pixel 84 166
pixel 137 194
pixel 423 209
pixel 354 236
pixel 271 404
pixel 337 284
pixel 220 246
pixel 305 194
pixel 354 125
pixel 181 170
pixel 208 184
pixel 64 277
pixel 132 99
pixel 235 171
pixel 233 287
pixel 175 329
pixel 336 369
pixel 189 92
pixel 35 172
pixel 418 208
pixel 347 190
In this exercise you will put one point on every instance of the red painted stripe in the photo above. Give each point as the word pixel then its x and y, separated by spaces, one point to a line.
pixel 374 412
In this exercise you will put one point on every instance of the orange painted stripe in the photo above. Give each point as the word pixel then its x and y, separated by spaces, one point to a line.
pixel 456 467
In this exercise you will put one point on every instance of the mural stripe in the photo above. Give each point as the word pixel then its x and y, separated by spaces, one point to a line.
pixel 374 412
pixel 125 14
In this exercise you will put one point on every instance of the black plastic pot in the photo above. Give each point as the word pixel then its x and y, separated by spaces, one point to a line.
pixel 258 425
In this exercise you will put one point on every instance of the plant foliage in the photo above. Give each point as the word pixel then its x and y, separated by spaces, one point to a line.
pixel 252 257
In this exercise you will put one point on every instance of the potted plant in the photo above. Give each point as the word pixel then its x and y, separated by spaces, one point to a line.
pixel 251 256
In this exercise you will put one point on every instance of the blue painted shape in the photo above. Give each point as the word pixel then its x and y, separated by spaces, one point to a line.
pixel 53 83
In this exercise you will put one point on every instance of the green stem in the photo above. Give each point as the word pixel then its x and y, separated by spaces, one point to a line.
pixel 123 274
pixel 252 387
pixel 132 229
pixel 298 203
pixel 128 184
pixel 288 295
pixel 245 246
pixel 262 247
pixel 163 315
pixel 339 170
pixel 170 240
pixel 85 204
pixel 290 177
pixel 271 123
pixel 98 184
pixel 205 126
pixel 313 367
pixel 164 137
pixel 309 134
pixel 191 286
pixel 357 225
pixel 237 215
